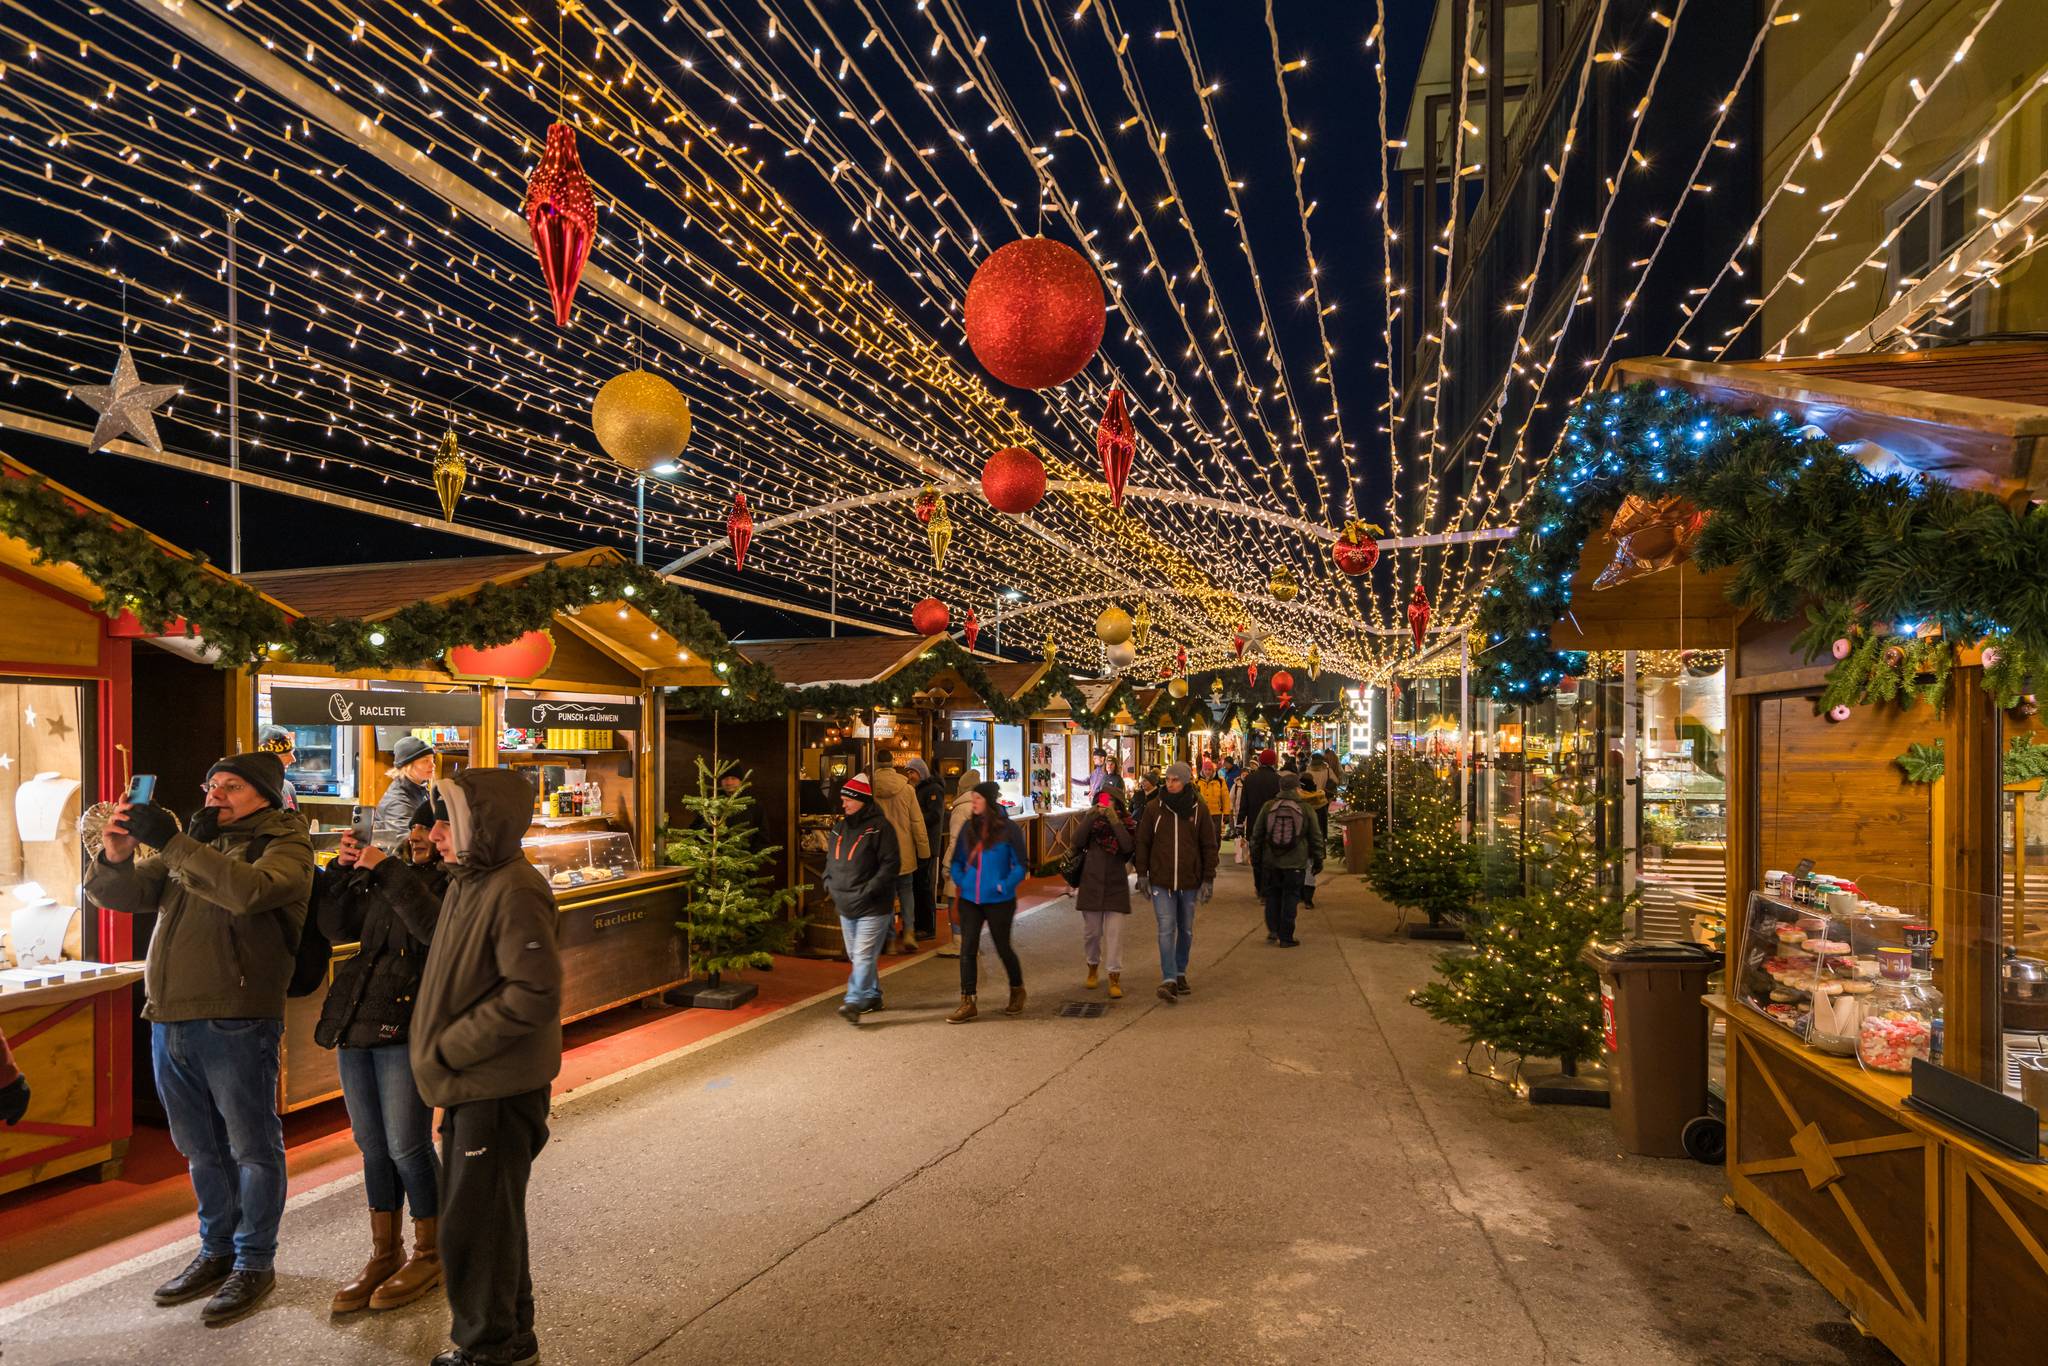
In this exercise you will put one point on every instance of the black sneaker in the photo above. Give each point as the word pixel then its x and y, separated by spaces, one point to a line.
pixel 525 1351
pixel 872 1006
pixel 1290 943
pixel 200 1277
pixel 850 1012
pixel 242 1291
pixel 1272 939
pixel 1181 987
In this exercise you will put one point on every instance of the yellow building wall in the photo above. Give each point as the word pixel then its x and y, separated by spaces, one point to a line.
pixel 1804 64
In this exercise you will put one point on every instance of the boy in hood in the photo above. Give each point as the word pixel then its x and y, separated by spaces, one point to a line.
pixel 861 863
pixel 486 1045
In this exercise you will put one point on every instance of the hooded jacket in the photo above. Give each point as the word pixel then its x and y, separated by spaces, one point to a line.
pixel 932 802
pixel 1307 851
pixel 861 864
pixel 990 876
pixel 896 795
pixel 1260 785
pixel 488 1020
pixel 227 929
pixel 1177 842
pixel 1106 866
pixel 1215 795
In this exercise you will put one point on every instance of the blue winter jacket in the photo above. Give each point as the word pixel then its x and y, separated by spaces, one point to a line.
pixel 990 876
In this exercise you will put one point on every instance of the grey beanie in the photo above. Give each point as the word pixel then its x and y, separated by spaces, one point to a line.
pixel 1290 782
pixel 1180 771
pixel 919 767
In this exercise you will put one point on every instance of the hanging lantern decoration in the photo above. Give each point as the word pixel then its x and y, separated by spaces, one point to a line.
pixel 1177 689
pixel 1052 648
pixel 451 471
pixel 929 501
pixel 1355 550
pixel 1141 627
pixel 1180 660
pixel 1122 655
pixel 562 216
pixel 1315 662
pixel 1418 614
pixel 1034 313
pixel 939 531
pixel 1013 480
pixel 1116 442
pixel 1113 627
pixel 641 420
pixel 1238 640
pixel 931 617
pixel 1251 674
pixel 970 630
pixel 739 529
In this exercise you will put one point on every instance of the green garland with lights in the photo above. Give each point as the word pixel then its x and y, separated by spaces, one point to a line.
pixel 1799 521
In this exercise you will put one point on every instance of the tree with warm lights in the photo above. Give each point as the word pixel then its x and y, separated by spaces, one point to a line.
pixel 1422 862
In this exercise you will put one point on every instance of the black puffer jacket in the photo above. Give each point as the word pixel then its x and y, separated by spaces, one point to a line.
pixel 861 863
pixel 388 912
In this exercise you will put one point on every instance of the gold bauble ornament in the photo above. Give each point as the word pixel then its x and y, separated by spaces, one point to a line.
pixel 1142 627
pixel 1113 627
pixel 641 420
pixel 1216 687
pixel 451 470
pixel 1178 688
pixel 1283 585
pixel 940 532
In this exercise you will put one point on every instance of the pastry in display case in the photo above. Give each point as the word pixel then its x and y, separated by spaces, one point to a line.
pixel 580 858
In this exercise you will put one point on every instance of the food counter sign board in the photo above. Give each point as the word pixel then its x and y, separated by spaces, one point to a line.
pixel 534 713
pixel 350 707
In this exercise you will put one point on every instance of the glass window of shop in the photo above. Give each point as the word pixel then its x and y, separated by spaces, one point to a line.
pixel 997 752
pixel 2023 889
pixel 1681 820
pixel 47 738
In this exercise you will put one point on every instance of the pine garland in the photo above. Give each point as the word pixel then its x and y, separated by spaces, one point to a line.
pixel 1798 521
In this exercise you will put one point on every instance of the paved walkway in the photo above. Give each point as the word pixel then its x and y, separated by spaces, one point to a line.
pixel 1287 1167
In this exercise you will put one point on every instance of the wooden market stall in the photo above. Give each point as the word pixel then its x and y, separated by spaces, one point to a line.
pixel 796 761
pixel 575 708
pixel 1935 1239
pixel 66 967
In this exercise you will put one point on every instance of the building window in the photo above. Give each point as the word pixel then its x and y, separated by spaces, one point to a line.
pixel 1931 227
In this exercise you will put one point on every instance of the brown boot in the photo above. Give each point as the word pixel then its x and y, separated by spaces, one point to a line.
pixel 1016 1006
pixel 421 1272
pixel 385 1259
pixel 965 1013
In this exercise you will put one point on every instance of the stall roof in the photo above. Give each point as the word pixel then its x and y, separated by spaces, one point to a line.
pixel 818 663
pixel 1975 416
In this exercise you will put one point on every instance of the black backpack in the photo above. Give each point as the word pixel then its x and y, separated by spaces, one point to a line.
pixel 309 969
pixel 1283 826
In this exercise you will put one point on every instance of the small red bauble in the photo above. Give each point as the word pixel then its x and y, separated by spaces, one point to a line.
pixel 1355 551
pixel 1013 480
pixel 1283 682
pixel 1034 313
pixel 931 617
pixel 927 503
pixel 562 216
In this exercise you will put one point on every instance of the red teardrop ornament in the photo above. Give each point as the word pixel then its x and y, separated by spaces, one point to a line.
pixel 970 630
pixel 562 216
pixel 1251 674
pixel 1418 615
pixel 1116 441
pixel 740 528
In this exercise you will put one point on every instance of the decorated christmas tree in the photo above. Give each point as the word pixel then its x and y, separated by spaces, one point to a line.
pixel 1521 986
pixel 1422 862
pixel 735 916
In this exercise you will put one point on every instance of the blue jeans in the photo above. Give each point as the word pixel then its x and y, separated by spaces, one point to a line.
pixel 393 1127
pixel 906 900
pixel 1175 912
pixel 864 938
pixel 218 1083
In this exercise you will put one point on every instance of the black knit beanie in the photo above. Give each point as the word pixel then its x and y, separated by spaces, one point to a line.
pixel 261 770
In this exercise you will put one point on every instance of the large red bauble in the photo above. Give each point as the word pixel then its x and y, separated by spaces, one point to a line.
pixel 1355 551
pixel 1013 480
pixel 931 617
pixel 1283 682
pixel 561 214
pixel 517 660
pixel 1034 313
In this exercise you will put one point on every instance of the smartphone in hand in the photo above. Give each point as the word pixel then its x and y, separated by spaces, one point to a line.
pixel 361 821
pixel 141 789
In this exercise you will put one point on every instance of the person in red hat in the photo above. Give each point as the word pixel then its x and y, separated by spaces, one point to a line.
pixel 861 865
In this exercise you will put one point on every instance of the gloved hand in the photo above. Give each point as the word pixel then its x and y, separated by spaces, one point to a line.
pixel 1316 869
pixel 13 1101
pixel 151 824
pixel 204 825
pixel 1208 890
pixel 1144 886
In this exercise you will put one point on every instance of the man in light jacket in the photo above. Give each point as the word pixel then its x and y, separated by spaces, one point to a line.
pixel 230 896
pixel 896 794
pixel 486 1044
pixel 1176 857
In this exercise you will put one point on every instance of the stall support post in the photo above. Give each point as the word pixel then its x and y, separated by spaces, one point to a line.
pixel 640 519
pixel 234 401
pixel 1631 772
pixel 1464 738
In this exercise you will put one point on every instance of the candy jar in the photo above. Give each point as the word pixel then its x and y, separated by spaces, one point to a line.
pixel 1898 1025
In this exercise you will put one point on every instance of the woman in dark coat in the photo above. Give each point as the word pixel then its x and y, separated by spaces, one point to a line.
pixel 1104 895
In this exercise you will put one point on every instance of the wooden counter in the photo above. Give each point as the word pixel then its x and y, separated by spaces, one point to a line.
pixel 1937 1244
pixel 65 1039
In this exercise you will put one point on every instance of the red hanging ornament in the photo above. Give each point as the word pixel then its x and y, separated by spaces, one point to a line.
pixel 1238 641
pixel 1251 674
pixel 1283 682
pixel 1034 313
pixel 1116 441
pixel 1418 615
pixel 1180 661
pixel 562 216
pixel 931 617
pixel 970 630
pixel 1013 480
pixel 739 529
pixel 927 503
pixel 1355 550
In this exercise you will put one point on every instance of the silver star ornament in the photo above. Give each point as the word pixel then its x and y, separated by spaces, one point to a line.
pixel 126 405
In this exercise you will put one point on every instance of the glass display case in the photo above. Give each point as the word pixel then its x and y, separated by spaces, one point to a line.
pixel 997 752
pixel 578 858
